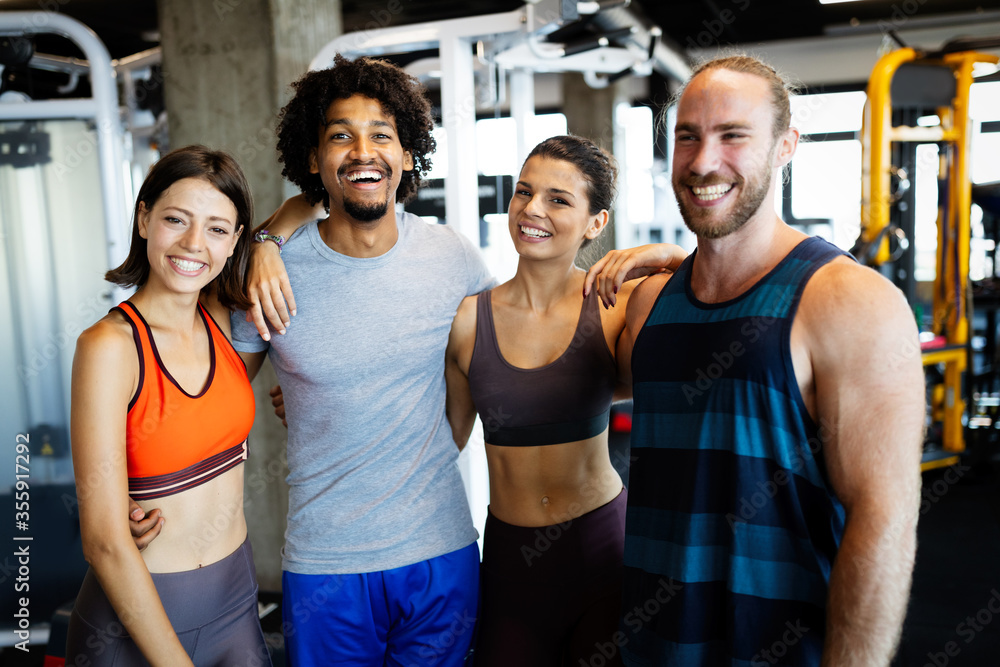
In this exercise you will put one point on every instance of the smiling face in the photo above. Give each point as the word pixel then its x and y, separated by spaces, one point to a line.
pixel 360 159
pixel 725 152
pixel 190 232
pixel 549 212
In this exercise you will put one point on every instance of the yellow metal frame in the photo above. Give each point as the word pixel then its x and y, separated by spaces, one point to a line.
pixel 951 317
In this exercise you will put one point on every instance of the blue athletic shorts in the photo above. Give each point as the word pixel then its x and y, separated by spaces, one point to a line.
pixel 420 615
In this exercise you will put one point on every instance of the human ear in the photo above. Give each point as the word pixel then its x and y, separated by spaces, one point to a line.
pixel 313 163
pixel 786 147
pixel 597 224
pixel 143 220
pixel 236 237
pixel 407 161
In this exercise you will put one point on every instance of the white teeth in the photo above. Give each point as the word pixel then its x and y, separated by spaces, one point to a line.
pixel 536 233
pixel 711 192
pixel 185 265
pixel 358 175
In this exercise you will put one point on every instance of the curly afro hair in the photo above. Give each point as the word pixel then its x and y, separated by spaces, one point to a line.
pixel 400 96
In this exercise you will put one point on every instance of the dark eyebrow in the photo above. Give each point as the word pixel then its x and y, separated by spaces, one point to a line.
pixel 554 191
pixel 191 215
pixel 349 122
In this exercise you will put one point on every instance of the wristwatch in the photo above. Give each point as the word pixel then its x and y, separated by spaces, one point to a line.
pixel 263 235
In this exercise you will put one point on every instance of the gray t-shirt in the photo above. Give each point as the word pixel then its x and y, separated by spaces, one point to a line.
pixel 373 474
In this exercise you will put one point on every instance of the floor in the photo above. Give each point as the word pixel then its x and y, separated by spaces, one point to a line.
pixel 957 576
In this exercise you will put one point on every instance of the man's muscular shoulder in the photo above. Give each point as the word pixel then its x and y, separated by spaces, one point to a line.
pixel 846 305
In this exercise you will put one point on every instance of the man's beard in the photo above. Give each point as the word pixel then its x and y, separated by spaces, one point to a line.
pixel 753 191
pixel 366 212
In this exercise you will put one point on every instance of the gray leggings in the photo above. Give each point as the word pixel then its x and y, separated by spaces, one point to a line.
pixel 213 610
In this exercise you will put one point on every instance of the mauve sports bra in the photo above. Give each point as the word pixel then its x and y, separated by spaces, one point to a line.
pixel 565 401
pixel 176 441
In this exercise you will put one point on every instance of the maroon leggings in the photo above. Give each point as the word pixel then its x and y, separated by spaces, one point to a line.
pixel 552 595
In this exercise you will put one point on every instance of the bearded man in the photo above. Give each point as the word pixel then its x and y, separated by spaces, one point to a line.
pixel 776 442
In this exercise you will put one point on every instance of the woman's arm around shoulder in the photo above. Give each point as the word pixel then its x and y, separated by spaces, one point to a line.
pixel 609 274
pixel 105 375
pixel 459 408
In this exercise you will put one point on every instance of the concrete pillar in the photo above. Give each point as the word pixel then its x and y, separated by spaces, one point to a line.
pixel 590 112
pixel 227 65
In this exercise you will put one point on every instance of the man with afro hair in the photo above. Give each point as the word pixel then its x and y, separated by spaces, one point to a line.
pixel 380 559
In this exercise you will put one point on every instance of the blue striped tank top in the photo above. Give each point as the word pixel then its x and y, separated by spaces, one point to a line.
pixel 732 526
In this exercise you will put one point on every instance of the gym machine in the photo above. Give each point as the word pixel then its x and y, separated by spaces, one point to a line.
pixel 905 84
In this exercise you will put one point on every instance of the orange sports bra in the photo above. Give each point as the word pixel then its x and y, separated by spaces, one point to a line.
pixel 176 441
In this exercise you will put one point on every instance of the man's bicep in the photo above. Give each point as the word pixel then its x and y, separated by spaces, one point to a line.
pixel 869 389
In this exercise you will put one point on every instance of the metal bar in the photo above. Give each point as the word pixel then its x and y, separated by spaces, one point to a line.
pixel 49 63
pixel 923 134
pixel 458 108
pixel 961 199
pixel 952 433
pixel 932 357
pixel 945 462
pixel 139 60
pixel 522 109
pixel 876 149
pixel 85 109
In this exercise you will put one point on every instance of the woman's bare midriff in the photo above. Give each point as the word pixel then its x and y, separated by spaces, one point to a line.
pixel 203 525
pixel 543 486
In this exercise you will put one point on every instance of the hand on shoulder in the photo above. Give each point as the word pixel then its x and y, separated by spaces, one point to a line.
pixel 610 273
pixel 269 290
